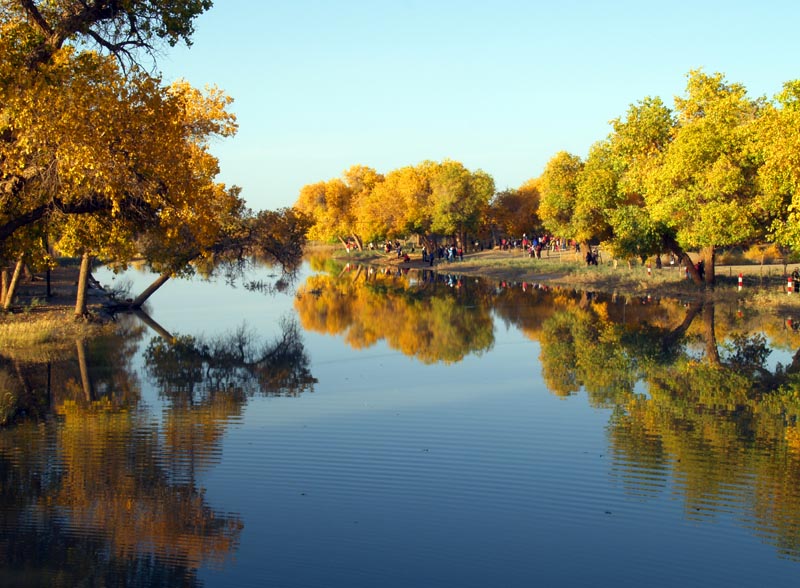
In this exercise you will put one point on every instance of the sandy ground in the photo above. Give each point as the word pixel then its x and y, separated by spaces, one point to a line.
pixel 32 295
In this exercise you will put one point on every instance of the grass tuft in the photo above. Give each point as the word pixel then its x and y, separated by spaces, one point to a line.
pixel 40 338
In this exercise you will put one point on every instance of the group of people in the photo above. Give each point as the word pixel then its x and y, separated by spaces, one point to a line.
pixel 534 245
pixel 450 253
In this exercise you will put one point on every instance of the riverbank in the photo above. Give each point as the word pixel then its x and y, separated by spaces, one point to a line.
pixel 761 284
pixel 32 296
pixel 41 324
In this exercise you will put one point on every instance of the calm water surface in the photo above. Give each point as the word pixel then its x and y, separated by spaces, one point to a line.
pixel 365 429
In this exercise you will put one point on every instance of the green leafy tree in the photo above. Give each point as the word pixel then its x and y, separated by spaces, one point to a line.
pixel 778 142
pixel 637 143
pixel 458 199
pixel 705 187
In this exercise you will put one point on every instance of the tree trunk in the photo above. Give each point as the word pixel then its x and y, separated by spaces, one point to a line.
pixel 83 280
pixel 86 382
pixel 150 290
pixel 671 244
pixel 12 286
pixel 712 351
pixel 148 320
pixel 675 335
pixel 359 242
pixel 46 246
pixel 3 284
pixel 584 248
pixel 709 256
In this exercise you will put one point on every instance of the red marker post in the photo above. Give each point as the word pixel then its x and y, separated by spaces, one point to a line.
pixel 790 285
pixel 740 282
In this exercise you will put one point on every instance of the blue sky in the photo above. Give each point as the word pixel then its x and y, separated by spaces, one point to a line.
pixel 501 86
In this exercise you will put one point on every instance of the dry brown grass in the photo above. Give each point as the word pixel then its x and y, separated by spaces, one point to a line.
pixel 42 336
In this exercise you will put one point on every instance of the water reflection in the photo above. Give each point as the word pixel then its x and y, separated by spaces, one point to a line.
pixel 433 317
pixel 695 408
pixel 95 485
pixel 92 488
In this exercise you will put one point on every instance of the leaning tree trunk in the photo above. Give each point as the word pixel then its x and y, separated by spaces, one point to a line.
pixel 678 332
pixel 83 281
pixel 359 242
pixel 670 244
pixel 150 322
pixel 12 286
pixel 150 290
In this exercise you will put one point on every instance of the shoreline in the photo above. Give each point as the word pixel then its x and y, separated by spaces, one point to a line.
pixel 31 295
pixel 762 284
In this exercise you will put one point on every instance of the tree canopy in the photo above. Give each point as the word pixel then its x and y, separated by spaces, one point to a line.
pixel 100 157
pixel 431 199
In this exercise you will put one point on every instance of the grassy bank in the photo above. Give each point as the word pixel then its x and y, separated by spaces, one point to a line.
pixel 42 336
pixel 762 284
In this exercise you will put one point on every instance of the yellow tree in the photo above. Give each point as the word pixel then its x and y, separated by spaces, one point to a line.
pixel 333 204
pixel 36 63
pixel 329 204
pixel 558 186
pixel 396 206
pixel 361 180
pixel 130 154
pixel 81 135
pixel 514 212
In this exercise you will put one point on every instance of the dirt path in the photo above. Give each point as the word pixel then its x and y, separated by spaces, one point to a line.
pixel 32 295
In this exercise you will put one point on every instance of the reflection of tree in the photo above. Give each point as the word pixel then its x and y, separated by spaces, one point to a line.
pixel 32 382
pixel 113 482
pixel 189 369
pixel 712 414
pixel 208 382
pixel 94 484
pixel 436 318
pixel 48 537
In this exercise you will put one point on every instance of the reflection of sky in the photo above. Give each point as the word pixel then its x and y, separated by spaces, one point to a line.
pixel 207 307
pixel 397 473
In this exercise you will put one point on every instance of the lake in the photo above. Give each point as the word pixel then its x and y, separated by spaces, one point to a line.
pixel 369 427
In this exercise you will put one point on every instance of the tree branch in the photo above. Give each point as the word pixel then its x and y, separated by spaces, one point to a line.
pixel 37 17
